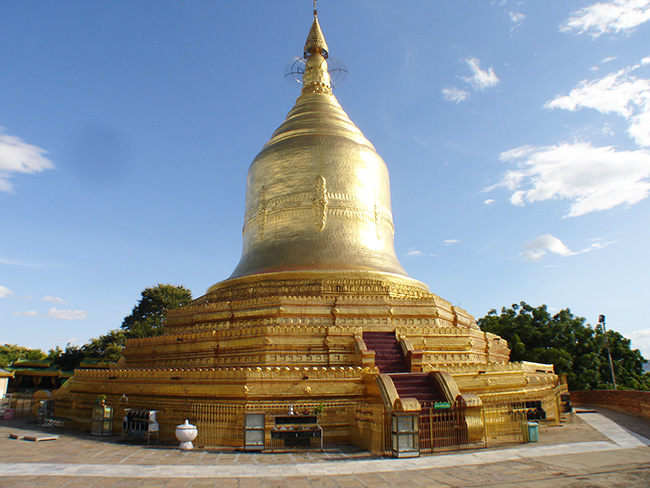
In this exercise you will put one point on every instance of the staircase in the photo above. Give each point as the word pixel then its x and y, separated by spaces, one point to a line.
pixel 390 360
pixel 417 385
pixel 388 353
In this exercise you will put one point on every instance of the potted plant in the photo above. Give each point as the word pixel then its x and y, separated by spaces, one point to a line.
pixel 319 409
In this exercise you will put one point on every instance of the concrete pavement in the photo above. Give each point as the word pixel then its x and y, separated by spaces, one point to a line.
pixel 592 450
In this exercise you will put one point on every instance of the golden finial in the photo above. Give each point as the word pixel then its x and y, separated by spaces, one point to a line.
pixel 315 40
pixel 316 78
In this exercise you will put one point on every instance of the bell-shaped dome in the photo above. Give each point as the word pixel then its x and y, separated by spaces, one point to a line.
pixel 317 195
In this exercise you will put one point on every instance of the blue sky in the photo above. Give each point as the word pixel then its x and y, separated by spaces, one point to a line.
pixel 516 133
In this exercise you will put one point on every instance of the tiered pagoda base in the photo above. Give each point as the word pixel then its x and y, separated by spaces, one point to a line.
pixel 267 342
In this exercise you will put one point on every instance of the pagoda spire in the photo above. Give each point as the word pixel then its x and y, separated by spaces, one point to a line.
pixel 318 194
pixel 315 40
pixel 316 78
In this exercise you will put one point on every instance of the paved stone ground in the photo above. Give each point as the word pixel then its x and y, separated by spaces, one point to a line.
pixel 604 449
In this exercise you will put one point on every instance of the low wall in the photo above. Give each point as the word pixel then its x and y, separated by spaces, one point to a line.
pixel 629 401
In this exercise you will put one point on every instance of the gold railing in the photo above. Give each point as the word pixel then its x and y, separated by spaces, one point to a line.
pixel 447 430
pixel 222 425
pixel 503 422
pixel 498 421
pixel 218 424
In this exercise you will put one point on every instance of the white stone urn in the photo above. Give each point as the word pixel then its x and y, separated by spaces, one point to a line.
pixel 186 433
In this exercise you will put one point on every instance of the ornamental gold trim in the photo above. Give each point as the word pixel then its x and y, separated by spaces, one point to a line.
pixel 320 202
pixel 325 204
pixel 261 214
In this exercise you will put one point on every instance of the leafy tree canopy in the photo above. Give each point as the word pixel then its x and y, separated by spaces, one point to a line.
pixel 147 317
pixel 10 353
pixel 66 360
pixel 570 344
pixel 107 347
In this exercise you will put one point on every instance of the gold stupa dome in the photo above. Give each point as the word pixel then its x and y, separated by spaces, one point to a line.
pixel 317 194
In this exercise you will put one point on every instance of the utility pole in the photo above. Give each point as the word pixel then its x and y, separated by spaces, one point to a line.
pixel 601 321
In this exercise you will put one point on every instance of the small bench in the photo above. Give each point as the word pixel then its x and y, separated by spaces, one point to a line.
pixel 140 424
pixel 296 431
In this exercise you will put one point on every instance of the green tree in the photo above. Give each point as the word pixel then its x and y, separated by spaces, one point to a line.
pixel 10 353
pixel 147 317
pixel 108 346
pixel 570 344
pixel 70 358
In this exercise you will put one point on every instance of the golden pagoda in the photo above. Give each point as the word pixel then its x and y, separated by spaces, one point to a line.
pixel 318 311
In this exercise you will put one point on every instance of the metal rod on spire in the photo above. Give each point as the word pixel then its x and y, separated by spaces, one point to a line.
pixel 315 9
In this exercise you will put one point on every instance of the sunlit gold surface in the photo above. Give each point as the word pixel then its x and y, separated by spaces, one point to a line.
pixel 317 195
pixel 318 269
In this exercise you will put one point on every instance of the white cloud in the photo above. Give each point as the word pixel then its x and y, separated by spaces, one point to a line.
pixel 621 93
pixel 30 313
pixel 11 262
pixel 603 61
pixel 592 178
pixel 640 340
pixel 54 299
pixel 480 79
pixel 639 334
pixel 414 252
pixel 66 314
pixel 17 156
pixel 450 242
pixel 56 313
pixel 542 245
pixel 489 201
pixel 537 248
pixel 608 17
pixel 454 94
pixel 5 292
pixel 516 17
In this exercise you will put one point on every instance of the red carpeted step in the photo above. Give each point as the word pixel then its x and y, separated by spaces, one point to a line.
pixel 390 359
pixel 388 353
pixel 417 385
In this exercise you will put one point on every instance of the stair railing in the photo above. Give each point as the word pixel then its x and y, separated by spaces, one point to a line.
pixel 413 356
pixel 365 356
